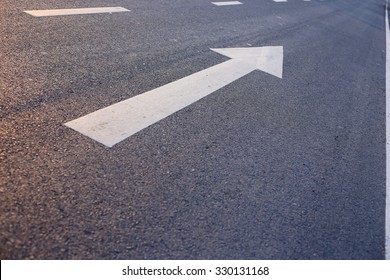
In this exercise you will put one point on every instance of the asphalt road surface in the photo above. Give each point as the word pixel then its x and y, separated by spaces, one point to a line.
pixel 263 168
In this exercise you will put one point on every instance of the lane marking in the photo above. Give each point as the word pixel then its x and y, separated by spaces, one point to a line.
pixel 387 214
pixel 78 11
pixel 227 3
pixel 287 0
pixel 119 121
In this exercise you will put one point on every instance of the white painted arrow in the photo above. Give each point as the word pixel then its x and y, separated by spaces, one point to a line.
pixel 119 121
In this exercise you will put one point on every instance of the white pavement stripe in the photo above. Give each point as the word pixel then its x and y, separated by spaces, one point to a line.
pixel 79 11
pixel 287 0
pixel 227 3
pixel 119 121
pixel 387 219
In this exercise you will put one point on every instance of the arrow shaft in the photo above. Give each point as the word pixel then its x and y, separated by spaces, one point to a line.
pixel 119 121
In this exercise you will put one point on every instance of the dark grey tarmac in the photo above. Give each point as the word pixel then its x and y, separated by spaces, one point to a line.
pixel 265 168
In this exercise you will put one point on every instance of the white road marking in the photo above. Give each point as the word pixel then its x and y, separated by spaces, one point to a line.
pixel 287 0
pixel 227 3
pixel 79 11
pixel 387 219
pixel 119 121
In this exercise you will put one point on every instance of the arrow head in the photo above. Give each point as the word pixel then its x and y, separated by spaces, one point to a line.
pixel 267 59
